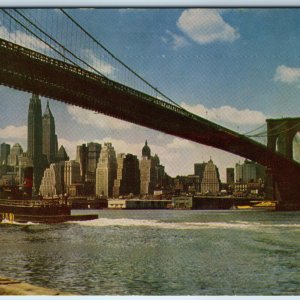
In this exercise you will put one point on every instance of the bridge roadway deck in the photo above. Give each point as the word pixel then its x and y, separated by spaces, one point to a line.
pixel 30 71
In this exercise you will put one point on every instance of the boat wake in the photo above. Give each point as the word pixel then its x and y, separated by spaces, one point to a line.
pixel 104 222
pixel 7 222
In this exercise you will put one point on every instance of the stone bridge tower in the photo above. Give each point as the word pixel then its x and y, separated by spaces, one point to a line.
pixel 281 133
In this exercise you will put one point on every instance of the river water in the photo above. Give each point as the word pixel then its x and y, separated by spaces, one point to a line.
pixel 159 252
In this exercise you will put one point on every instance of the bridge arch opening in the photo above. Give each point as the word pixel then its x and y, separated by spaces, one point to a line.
pixel 279 144
pixel 296 147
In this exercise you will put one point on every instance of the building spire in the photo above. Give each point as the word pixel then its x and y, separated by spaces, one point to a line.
pixel 48 111
pixel 146 150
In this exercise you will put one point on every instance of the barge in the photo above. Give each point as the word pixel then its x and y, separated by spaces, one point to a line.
pixel 39 211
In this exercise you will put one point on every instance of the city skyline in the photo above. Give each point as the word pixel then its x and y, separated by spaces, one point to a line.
pixel 231 74
pixel 175 144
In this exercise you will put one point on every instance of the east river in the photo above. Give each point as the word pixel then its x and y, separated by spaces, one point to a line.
pixel 159 252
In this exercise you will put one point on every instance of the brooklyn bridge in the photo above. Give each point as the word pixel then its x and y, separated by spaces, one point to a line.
pixel 34 59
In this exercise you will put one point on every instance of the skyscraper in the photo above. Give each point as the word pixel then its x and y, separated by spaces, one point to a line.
pixel 93 154
pixel 88 155
pixel 211 179
pixel 147 171
pixel 71 173
pixel 53 180
pixel 81 158
pixel 106 171
pixel 35 141
pixel 4 152
pixel 128 175
pixel 146 151
pixel 34 128
pixel 16 150
pixel 198 171
pixel 230 175
pixel 238 172
pixel 49 136
pixel 62 154
pixel 249 171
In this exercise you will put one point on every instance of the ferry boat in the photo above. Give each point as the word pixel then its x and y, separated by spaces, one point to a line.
pixel 38 211
pixel 17 205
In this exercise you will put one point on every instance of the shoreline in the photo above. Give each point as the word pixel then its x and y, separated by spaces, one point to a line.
pixel 15 287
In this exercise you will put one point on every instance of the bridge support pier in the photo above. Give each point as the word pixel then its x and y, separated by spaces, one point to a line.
pixel 283 188
pixel 287 191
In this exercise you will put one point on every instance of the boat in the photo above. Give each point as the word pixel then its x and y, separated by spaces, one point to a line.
pixel 18 205
pixel 39 211
pixel 258 205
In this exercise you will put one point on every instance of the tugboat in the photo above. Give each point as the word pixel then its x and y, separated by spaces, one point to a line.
pixel 18 205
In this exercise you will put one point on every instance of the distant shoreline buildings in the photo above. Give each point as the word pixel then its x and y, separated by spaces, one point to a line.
pixel 99 171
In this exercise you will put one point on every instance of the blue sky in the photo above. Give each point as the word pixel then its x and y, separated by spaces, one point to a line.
pixel 236 67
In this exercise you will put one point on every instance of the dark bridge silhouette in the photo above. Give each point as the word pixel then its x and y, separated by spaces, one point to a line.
pixel 30 71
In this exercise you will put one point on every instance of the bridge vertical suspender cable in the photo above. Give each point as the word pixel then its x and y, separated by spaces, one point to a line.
pixel 52 39
pixel 117 59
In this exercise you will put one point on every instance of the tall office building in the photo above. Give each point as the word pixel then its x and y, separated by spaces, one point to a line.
pixel 49 136
pixel 4 152
pixel 88 157
pixel 71 173
pixel 15 151
pixel 147 171
pixel 146 151
pixel 238 172
pixel 62 154
pixel 198 171
pixel 230 176
pixel 81 158
pixel 249 171
pixel 159 172
pixel 211 179
pixel 53 180
pixel 35 141
pixel 34 128
pixel 93 154
pixel 106 171
pixel 128 175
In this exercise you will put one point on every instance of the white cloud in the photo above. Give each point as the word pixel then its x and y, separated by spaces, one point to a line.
pixel 23 39
pixel 100 65
pixel 227 114
pixel 13 133
pixel 179 143
pixel 206 26
pixel 175 40
pixel 87 117
pixel 287 75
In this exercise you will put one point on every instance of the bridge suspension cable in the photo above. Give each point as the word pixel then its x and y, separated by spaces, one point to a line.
pixel 253 130
pixel 118 60
pixel 61 46
pixel 61 33
pixel 270 134
pixel 35 35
